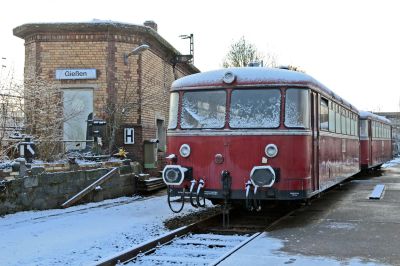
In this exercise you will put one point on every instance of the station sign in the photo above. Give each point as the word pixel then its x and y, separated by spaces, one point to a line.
pixel 76 73
pixel 129 136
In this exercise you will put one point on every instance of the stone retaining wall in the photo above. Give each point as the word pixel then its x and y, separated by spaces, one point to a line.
pixel 49 190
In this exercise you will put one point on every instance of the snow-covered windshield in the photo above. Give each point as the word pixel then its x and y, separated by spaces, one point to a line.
pixel 255 108
pixel 297 110
pixel 203 109
pixel 173 110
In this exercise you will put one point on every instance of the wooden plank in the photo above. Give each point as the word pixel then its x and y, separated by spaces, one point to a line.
pixel 88 189
pixel 377 193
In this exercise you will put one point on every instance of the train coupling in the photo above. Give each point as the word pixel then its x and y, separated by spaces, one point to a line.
pixel 200 186
pixel 247 186
pixel 193 183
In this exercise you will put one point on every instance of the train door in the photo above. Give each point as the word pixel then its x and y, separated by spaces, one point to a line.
pixel 315 141
pixel 370 128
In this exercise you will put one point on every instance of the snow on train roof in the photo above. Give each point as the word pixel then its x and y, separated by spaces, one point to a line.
pixel 254 75
pixel 365 115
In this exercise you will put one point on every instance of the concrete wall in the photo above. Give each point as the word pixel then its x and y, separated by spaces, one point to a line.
pixel 50 190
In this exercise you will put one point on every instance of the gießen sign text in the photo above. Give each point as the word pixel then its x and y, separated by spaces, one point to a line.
pixel 76 73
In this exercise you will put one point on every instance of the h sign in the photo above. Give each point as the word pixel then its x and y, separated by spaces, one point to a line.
pixel 129 136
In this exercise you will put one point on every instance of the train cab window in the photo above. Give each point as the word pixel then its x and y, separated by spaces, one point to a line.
pixel 364 128
pixel 297 108
pixel 173 110
pixel 331 117
pixel 203 109
pixel 337 115
pixel 324 115
pixel 255 108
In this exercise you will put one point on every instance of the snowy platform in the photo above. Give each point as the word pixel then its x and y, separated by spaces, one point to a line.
pixel 343 227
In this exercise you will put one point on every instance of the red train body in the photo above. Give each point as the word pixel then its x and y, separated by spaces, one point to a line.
pixel 375 140
pixel 245 134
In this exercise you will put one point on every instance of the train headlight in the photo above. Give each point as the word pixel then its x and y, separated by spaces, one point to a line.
pixel 174 174
pixel 184 150
pixel 271 150
pixel 262 176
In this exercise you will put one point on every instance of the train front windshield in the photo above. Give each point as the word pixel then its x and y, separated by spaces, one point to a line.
pixel 249 108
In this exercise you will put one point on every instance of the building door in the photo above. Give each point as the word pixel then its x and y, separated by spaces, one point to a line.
pixel 77 107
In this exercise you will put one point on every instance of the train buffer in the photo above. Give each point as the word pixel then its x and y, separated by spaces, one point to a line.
pixel 377 193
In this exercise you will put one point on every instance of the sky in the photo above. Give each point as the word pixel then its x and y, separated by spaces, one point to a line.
pixel 351 46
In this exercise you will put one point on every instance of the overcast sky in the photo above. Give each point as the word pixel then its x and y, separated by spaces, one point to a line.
pixel 351 46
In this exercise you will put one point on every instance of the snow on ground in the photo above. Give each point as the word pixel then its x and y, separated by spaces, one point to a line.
pixel 83 234
pixel 391 163
pixel 265 250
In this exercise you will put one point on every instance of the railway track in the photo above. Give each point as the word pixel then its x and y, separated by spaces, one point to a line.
pixel 202 243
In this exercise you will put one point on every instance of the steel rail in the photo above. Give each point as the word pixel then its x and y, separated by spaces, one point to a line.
pixel 253 237
pixel 131 253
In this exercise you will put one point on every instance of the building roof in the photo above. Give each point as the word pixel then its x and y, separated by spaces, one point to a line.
pixel 255 75
pixel 26 30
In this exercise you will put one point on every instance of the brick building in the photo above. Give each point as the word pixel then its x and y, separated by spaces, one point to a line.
pixel 87 62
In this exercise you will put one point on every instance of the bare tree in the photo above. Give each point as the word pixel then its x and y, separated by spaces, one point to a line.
pixel 11 118
pixel 242 53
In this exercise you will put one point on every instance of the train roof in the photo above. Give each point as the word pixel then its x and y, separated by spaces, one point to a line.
pixel 366 115
pixel 245 76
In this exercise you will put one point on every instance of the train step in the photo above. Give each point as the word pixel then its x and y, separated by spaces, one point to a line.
pixel 150 184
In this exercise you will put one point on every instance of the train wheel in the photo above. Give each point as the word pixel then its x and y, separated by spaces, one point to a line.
pixel 176 203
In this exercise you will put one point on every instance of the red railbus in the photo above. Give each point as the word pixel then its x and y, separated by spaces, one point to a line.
pixel 250 135
pixel 375 140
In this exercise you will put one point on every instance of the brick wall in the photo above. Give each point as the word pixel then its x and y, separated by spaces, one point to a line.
pixel 143 83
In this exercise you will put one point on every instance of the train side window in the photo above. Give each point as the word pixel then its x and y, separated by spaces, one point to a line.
pixel 352 124
pixel 337 115
pixel 173 110
pixel 348 130
pixel 373 129
pixel 364 128
pixel 324 115
pixel 331 117
pixel 343 120
pixel 297 108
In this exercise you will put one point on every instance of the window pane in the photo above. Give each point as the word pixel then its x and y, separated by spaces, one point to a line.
pixel 364 128
pixel 337 115
pixel 343 122
pixel 324 115
pixel 203 109
pixel 255 108
pixel 332 118
pixel 173 110
pixel 297 110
